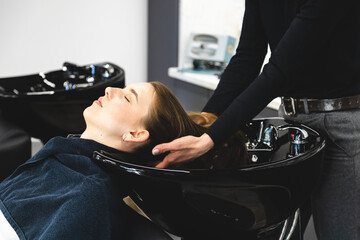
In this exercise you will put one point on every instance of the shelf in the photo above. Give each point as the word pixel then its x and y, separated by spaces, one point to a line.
pixel 209 81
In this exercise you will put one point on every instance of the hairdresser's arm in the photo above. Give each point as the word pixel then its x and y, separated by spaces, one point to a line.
pixel 245 65
pixel 307 37
pixel 243 68
pixel 307 34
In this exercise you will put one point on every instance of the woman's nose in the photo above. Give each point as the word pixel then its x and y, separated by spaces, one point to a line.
pixel 111 92
pixel 108 92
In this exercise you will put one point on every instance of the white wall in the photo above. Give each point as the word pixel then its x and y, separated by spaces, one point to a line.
pixel 223 17
pixel 39 35
pixel 208 16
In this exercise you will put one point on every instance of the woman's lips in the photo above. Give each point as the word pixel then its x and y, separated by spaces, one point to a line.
pixel 98 102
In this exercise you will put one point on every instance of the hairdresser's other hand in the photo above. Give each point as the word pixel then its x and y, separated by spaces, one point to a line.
pixel 183 149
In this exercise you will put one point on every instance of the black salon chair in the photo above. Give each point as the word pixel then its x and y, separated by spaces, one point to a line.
pixel 140 228
pixel 257 201
pixel 46 105
pixel 15 147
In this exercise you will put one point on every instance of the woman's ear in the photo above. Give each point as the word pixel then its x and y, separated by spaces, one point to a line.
pixel 136 136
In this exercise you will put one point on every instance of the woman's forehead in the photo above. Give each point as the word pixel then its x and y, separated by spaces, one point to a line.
pixel 144 90
pixel 141 86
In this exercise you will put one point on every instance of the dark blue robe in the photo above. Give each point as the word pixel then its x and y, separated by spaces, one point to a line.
pixel 60 193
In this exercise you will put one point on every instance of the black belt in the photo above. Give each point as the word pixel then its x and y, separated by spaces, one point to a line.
pixel 305 105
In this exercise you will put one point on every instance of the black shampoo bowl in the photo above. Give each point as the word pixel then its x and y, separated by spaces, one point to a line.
pixel 51 104
pixel 252 202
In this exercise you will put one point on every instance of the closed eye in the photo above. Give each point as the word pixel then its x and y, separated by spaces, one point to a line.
pixel 127 99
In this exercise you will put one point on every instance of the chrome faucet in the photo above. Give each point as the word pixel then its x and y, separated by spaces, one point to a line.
pixel 298 139
pixel 297 134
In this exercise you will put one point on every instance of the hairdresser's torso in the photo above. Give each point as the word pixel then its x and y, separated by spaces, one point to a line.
pixel 329 62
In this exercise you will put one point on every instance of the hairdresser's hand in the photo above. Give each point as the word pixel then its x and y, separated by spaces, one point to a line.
pixel 183 149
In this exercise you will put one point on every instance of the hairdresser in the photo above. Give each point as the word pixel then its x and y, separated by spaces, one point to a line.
pixel 315 67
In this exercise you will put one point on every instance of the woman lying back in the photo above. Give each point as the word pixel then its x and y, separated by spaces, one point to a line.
pixel 137 118
pixel 60 193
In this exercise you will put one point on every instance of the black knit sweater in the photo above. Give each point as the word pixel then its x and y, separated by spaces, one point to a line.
pixel 315 53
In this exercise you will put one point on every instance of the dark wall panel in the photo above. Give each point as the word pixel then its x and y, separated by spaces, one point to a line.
pixel 163 33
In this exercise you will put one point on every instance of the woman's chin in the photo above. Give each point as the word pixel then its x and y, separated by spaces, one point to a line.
pixel 87 113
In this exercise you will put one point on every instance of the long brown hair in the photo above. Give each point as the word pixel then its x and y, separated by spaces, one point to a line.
pixel 167 120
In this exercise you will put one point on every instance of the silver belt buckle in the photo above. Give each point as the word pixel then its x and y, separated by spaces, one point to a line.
pixel 292 101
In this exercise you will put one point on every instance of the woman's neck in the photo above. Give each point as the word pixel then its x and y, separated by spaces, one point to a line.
pixel 100 137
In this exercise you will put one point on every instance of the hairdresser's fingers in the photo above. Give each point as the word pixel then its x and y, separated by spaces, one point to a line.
pixel 167 161
pixel 162 164
pixel 175 145
pixel 167 147
pixel 172 158
pixel 183 149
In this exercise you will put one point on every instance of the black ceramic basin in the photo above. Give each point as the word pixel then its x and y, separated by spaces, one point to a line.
pixel 246 203
pixel 51 104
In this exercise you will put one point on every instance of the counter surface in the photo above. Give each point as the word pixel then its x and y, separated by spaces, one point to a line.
pixel 208 81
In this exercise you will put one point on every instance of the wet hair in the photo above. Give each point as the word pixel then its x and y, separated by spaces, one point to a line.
pixel 167 120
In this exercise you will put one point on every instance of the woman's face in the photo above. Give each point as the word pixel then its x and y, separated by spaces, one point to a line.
pixel 120 110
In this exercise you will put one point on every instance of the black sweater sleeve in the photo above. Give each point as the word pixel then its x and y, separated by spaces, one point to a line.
pixel 245 65
pixel 307 34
